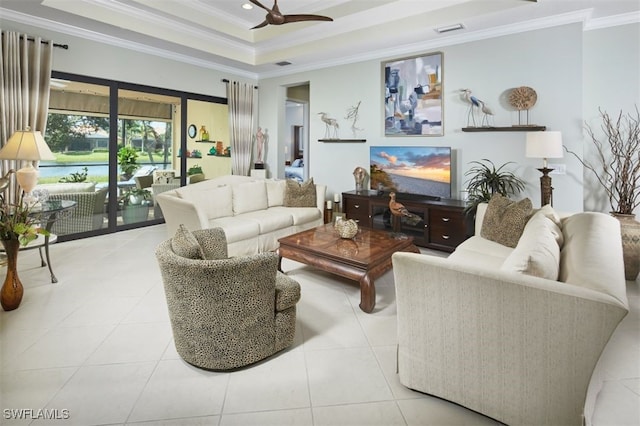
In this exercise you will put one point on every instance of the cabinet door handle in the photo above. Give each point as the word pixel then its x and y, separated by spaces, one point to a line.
pixel 356 206
pixel 445 237
pixel 445 219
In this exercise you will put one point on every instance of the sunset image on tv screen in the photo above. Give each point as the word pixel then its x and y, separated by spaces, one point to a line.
pixel 412 170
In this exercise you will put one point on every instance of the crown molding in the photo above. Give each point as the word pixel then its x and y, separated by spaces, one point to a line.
pixel 612 21
pixel 118 42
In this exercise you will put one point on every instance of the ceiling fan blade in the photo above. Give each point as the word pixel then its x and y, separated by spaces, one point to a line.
pixel 260 25
pixel 257 3
pixel 301 18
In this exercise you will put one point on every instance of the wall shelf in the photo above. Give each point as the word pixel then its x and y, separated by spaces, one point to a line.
pixel 342 140
pixel 531 128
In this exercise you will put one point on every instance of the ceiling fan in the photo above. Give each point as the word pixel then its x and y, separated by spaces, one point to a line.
pixel 274 17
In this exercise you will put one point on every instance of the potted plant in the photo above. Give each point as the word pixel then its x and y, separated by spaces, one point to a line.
pixel 18 226
pixel 617 170
pixel 485 180
pixel 135 205
pixel 128 162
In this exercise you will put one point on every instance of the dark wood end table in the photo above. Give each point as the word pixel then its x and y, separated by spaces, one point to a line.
pixel 364 258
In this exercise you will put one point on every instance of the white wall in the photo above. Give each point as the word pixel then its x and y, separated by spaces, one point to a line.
pixel 573 72
pixel 550 61
pixel 611 82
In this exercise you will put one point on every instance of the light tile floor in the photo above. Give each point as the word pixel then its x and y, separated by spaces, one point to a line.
pixel 99 345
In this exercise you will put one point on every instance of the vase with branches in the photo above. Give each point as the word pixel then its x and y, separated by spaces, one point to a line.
pixel 617 170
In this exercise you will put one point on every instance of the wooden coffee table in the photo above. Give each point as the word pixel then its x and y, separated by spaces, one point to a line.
pixel 364 258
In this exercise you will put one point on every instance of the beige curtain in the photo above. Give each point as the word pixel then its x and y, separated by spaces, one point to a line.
pixel 240 97
pixel 25 72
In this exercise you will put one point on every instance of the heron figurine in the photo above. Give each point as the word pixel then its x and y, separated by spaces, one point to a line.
pixel 486 112
pixel 473 103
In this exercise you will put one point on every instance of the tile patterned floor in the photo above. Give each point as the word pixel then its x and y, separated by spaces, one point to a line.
pixel 99 345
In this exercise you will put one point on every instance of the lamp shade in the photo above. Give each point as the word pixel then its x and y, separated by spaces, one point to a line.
pixel 544 145
pixel 26 145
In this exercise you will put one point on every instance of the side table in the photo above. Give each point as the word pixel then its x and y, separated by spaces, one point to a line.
pixel 49 212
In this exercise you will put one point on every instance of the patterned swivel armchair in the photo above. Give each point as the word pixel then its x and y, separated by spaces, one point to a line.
pixel 225 312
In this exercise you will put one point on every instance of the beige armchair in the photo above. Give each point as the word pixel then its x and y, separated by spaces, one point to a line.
pixel 225 312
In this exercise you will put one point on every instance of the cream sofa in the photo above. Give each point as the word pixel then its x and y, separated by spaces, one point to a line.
pixel 251 211
pixel 516 347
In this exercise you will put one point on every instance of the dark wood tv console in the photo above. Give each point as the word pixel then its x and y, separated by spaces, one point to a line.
pixel 442 225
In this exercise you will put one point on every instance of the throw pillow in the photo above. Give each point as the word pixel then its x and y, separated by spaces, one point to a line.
pixel 300 194
pixel 505 220
pixel 537 252
pixel 184 244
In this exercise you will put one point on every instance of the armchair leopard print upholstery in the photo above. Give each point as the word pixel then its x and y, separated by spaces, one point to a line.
pixel 225 313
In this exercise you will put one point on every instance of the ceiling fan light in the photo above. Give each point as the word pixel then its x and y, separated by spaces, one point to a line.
pixel 247 6
pixel 448 28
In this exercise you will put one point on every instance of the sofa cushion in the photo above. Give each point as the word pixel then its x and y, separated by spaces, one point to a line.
pixel 236 229
pixel 300 194
pixel 185 244
pixel 249 197
pixel 537 252
pixel 275 192
pixel 505 220
pixel 268 220
pixel 590 257
pixel 214 201
pixel 300 215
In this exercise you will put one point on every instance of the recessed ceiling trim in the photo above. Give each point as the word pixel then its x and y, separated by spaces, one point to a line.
pixel 57 27
pixel 160 22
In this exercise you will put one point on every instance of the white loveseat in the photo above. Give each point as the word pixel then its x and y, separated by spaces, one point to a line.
pixel 516 347
pixel 251 211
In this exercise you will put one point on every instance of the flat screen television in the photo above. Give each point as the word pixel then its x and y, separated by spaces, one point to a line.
pixel 419 170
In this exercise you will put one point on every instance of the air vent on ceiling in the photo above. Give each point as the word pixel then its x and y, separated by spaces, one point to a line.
pixel 449 28
pixel 283 63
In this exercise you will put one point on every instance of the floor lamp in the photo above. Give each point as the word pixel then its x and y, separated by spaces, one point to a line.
pixel 27 145
pixel 544 145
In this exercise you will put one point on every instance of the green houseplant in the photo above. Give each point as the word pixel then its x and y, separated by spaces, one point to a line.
pixel 135 205
pixel 617 170
pixel 128 162
pixel 485 179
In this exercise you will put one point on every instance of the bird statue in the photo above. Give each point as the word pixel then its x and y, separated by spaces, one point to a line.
pixel 399 210
pixel 473 102
pixel 275 17
pixel 486 112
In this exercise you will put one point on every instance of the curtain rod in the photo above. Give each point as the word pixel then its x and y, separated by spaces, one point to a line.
pixel 224 80
pixel 61 46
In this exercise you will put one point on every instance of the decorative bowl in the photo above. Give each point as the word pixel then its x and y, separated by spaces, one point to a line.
pixel 346 228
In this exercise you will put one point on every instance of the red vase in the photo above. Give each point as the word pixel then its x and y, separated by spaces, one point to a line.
pixel 12 290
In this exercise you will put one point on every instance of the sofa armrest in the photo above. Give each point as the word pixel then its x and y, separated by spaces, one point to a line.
pixel 321 192
pixel 177 211
pixel 517 348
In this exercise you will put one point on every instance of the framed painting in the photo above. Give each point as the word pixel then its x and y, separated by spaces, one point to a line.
pixel 412 90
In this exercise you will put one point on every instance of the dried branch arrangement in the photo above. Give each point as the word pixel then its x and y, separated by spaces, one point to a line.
pixel 618 168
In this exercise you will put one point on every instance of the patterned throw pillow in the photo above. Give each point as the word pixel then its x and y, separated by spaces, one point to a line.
pixel 505 220
pixel 300 194
pixel 184 244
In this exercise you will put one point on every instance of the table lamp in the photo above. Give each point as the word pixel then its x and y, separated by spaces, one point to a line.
pixel 544 145
pixel 27 145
